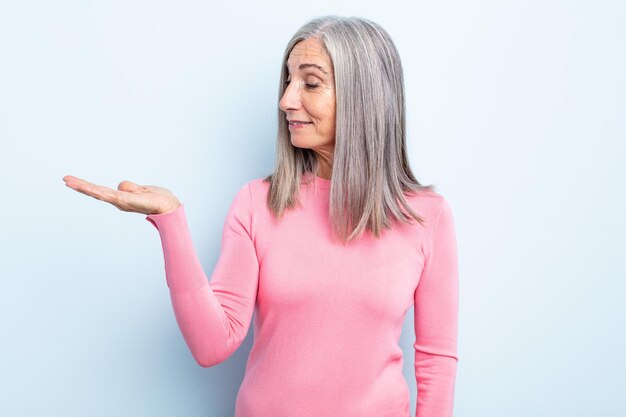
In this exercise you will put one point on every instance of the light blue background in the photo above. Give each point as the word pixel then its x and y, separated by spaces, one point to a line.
pixel 516 110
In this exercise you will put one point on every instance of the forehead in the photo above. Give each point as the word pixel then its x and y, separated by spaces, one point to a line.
pixel 309 51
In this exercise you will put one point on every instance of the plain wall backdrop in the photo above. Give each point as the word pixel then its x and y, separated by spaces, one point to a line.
pixel 515 109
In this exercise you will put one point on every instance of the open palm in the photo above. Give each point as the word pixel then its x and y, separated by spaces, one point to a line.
pixel 129 197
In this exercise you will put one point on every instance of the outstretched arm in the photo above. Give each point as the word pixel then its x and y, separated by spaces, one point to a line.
pixel 213 316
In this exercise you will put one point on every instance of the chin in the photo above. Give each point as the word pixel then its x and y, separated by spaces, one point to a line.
pixel 301 142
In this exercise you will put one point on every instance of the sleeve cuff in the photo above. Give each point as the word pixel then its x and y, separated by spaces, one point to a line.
pixel 160 221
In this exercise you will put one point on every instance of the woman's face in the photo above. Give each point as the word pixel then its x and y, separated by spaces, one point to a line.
pixel 310 97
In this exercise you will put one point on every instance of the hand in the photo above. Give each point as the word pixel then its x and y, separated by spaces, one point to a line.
pixel 129 197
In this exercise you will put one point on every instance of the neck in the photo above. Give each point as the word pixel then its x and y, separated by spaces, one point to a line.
pixel 324 169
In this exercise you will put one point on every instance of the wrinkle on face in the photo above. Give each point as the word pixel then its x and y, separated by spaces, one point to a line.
pixel 310 96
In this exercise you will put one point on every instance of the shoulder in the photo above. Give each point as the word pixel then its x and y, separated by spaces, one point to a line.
pixel 251 194
pixel 428 204
pixel 259 184
pixel 253 186
pixel 258 189
pixel 434 208
pixel 248 199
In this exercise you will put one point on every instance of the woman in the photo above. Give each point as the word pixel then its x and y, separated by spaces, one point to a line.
pixel 323 250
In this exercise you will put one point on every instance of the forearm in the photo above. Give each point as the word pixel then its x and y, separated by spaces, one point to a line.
pixel 199 314
pixel 213 315
pixel 436 377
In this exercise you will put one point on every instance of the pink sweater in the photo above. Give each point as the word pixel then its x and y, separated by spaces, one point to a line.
pixel 327 317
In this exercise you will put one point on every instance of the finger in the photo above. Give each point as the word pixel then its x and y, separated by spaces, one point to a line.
pixel 71 180
pixel 98 192
pixel 128 186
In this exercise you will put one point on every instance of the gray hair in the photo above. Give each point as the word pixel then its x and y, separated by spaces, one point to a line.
pixel 370 168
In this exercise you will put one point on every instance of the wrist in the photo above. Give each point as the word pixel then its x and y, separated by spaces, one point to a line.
pixel 170 209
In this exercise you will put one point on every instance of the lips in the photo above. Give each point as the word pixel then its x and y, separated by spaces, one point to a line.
pixel 292 122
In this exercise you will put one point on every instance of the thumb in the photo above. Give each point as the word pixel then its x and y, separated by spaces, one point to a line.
pixel 128 186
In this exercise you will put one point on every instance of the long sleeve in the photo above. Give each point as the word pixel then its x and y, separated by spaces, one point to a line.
pixel 436 320
pixel 213 315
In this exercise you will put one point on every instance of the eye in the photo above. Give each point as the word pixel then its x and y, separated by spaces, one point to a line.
pixel 310 86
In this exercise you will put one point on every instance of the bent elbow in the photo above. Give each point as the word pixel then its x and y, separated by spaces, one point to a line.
pixel 211 351
pixel 208 358
pixel 208 361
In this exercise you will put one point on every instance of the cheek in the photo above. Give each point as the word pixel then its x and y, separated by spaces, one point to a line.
pixel 322 109
pixel 326 111
pixel 330 116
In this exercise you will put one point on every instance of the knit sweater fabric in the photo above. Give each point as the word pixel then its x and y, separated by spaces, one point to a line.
pixel 327 316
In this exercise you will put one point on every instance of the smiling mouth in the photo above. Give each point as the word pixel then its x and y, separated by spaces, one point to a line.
pixel 298 125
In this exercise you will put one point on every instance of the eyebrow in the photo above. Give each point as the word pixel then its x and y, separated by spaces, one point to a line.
pixel 308 65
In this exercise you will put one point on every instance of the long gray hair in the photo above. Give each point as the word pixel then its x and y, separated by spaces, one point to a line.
pixel 370 168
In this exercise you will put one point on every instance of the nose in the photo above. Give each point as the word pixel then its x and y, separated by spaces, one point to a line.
pixel 291 98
